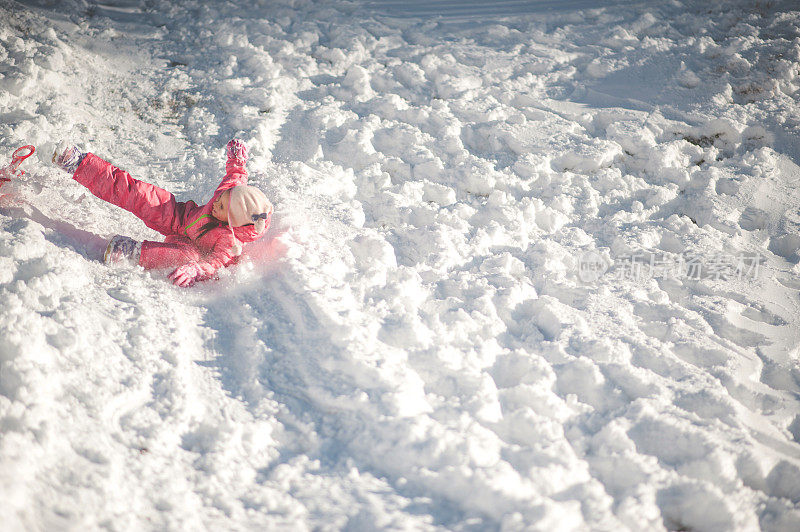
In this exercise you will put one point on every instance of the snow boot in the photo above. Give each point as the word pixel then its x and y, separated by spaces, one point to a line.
pixel 69 160
pixel 122 249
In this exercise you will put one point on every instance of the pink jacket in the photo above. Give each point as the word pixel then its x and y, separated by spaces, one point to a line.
pixel 193 234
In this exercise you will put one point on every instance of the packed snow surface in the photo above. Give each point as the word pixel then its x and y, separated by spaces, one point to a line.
pixel 533 265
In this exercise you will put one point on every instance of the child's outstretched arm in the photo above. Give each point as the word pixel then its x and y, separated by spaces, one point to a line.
pixel 201 270
pixel 235 166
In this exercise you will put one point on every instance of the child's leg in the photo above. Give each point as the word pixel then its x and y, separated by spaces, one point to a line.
pixel 155 206
pixel 168 254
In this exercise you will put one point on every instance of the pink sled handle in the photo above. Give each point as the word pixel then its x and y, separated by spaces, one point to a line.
pixel 17 158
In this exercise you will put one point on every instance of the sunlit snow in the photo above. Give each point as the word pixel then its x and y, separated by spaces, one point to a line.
pixel 533 266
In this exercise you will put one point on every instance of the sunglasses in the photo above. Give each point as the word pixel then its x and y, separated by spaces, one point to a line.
pixel 257 217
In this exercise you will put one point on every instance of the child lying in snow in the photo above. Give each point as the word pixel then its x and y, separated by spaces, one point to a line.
pixel 199 239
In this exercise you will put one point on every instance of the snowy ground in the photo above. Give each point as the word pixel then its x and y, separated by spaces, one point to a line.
pixel 534 265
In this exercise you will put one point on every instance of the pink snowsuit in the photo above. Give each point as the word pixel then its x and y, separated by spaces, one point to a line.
pixel 192 233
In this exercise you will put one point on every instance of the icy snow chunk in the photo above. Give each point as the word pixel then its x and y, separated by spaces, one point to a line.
pixel 547 218
pixel 201 124
pixel 524 425
pixel 544 315
pixel 22 239
pixel 634 138
pixel 671 441
pixel 646 21
pixel 479 181
pixel 483 446
pixel 696 507
pixel 504 263
pixel 599 68
pixel 7 269
pixel 755 90
pixel 407 290
pixel 353 149
pixel 613 439
pixel 720 133
pixel 671 162
pixel 753 219
pixel 373 249
pixel 405 331
pixel 437 193
pixel 520 367
pixel 756 136
pixel 448 87
pixel 374 256
pixel 784 481
pixel 582 378
pixel 587 157
pixel 334 56
pixel 51 58
pixel 785 246
pixel 431 169
pixel 533 166
pixel 619 39
pixel 388 106
pixel 358 79
pixel 751 469
pixel 687 78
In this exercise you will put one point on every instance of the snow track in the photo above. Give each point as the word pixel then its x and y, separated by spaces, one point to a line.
pixel 533 266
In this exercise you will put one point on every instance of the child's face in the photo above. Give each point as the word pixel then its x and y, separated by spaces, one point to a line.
pixel 219 209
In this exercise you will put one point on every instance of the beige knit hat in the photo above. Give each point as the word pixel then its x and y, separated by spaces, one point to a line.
pixel 248 205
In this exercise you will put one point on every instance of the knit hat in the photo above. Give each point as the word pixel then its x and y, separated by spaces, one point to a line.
pixel 248 205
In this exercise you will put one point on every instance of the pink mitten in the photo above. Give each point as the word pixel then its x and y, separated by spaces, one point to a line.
pixel 185 275
pixel 237 150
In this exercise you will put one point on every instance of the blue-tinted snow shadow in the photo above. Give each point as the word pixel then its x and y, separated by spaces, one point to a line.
pixel 62 234
pixel 271 343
